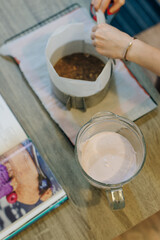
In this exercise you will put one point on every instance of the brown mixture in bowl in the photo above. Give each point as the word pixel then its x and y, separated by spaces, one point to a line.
pixel 79 66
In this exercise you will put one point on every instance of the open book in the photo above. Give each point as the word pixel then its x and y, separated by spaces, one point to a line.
pixel 28 188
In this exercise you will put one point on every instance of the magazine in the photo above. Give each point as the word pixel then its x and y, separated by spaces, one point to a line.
pixel 28 188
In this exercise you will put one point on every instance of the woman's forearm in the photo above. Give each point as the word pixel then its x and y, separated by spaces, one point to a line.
pixel 144 55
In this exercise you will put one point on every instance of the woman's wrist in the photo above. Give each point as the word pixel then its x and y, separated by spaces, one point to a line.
pixel 126 50
pixel 144 55
pixel 134 51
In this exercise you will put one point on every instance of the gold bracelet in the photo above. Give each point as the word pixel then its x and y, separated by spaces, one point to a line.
pixel 128 47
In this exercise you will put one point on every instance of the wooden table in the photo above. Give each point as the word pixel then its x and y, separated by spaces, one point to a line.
pixel 86 214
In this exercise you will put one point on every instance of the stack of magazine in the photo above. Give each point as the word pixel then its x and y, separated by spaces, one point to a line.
pixel 28 188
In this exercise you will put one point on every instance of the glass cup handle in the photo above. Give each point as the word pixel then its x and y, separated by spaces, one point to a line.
pixel 115 198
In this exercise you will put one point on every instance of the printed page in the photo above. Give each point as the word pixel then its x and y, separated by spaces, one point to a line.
pixel 28 188
pixel 11 132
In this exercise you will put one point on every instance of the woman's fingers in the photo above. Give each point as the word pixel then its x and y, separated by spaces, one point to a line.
pixel 96 4
pixel 92 36
pixel 94 28
pixel 97 31
pixel 104 4
pixel 93 39
pixel 116 6
pixel 94 43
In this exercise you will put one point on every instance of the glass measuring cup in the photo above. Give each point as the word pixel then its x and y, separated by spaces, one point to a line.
pixel 107 122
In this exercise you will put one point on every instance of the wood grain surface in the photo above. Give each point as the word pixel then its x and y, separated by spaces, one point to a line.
pixel 149 229
pixel 86 215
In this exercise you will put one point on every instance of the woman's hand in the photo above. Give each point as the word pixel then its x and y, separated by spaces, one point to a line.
pixel 109 41
pixel 104 4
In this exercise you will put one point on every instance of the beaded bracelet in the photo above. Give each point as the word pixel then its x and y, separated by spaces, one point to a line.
pixel 128 47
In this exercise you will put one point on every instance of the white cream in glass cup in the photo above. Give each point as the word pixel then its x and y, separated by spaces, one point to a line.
pixel 110 151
